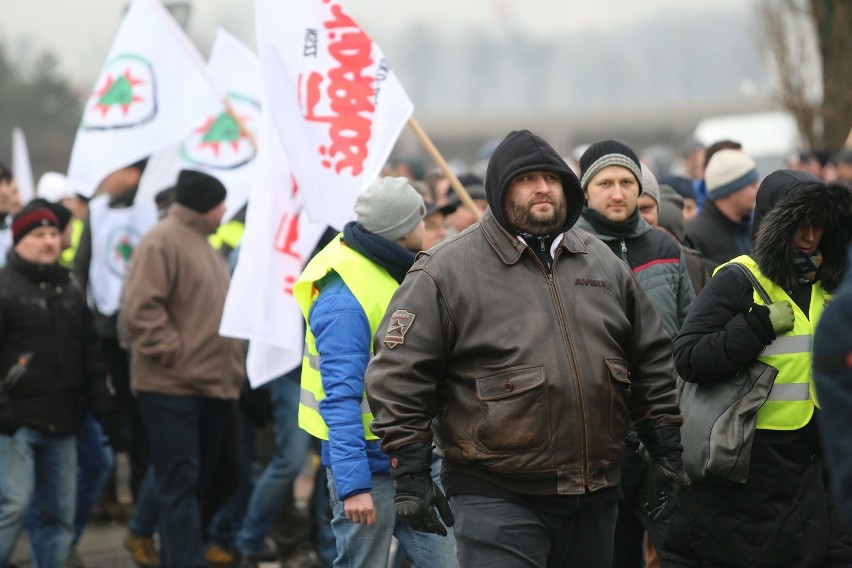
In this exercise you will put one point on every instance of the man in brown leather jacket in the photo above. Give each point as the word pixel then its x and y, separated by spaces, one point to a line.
pixel 523 349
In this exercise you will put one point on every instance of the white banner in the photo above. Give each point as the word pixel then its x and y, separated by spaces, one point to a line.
pixel 148 95
pixel 222 145
pixel 22 169
pixel 276 244
pixel 335 102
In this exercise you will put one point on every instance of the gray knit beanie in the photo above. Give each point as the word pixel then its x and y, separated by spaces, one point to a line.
pixel 727 172
pixel 670 215
pixel 608 153
pixel 389 208
pixel 649 184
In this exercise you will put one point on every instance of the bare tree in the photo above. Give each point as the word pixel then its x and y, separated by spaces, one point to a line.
pixel 809 46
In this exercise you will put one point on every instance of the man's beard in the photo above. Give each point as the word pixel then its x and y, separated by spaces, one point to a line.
pixel 524 219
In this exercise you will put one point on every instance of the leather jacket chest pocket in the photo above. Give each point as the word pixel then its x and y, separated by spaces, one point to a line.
pixel 513 410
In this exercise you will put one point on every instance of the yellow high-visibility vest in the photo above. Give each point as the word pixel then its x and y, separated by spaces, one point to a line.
pixel 230 234
pixel 373 287
pixel 792 399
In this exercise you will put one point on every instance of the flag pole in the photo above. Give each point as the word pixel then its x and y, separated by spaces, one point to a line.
pixel 445 167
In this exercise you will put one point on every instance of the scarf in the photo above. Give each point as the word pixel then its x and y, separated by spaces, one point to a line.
pixel 806 266
pixel 387 254
pixel 604 226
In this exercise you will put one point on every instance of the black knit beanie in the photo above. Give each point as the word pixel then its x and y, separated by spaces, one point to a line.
pixel 199 191
pixel 63 215
pixel 608 153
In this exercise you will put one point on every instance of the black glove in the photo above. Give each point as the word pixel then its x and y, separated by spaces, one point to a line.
pixel 417 496
pixel 256 405
pixel 8 423
pixel 758 320
pixel 665 478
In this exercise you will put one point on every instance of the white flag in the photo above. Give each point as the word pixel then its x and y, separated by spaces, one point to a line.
pixel 224 144
pixel 336 104
pixel 147 96
pixel 277 241
pixel 21 167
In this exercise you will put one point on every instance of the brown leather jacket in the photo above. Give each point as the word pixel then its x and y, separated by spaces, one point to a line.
pixel 531 377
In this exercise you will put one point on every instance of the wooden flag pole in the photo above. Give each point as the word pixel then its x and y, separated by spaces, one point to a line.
pixel 249 134
pixel 445 167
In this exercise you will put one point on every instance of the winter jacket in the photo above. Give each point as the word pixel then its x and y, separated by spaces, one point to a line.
pixel 43 312
pixel 833 379
pixel 531 376
pixel 781 517
pixel 716 237
pixel 341 328
pixel 174 295
pixel 659 265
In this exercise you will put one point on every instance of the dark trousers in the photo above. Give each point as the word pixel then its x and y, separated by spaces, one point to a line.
pixel 186 435
pixel 633 520
pixel 129 430
pixel 500 533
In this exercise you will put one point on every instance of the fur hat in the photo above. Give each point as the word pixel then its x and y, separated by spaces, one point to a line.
pixel 389 208
pixel 728 172
pixel 798 198
pixel 199 191
pixel 608 153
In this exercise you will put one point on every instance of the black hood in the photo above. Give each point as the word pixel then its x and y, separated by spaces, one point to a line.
pixel 522 151
pixel 786 200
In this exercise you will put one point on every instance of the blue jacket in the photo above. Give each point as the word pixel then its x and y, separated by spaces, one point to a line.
pixel 343 340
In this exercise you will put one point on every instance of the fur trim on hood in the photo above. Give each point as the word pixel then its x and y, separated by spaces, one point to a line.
pixel 522 151
pixel 785 201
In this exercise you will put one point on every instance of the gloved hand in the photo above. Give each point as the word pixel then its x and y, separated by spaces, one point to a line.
pixel 417 496
pixel 782 317
pixel 8 423
pixel 758 320
pixel 666 480
pixel 665 477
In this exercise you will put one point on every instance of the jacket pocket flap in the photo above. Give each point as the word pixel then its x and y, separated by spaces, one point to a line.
pixel 509 383
pixel 618 369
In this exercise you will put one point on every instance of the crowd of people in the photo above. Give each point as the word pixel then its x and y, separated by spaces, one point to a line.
pixel 486 381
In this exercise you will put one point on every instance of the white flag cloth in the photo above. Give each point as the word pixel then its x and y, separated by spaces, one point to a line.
pixel 149 92
pixel 277 241
pixel 219 144
pixel 335 102
pixel 21 167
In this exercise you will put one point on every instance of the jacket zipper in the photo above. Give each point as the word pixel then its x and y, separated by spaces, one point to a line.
pixel 624 252
pixel 573 359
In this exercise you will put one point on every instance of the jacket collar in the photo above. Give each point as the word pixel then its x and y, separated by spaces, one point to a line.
pixel 509 248
pixel 51 273
pixel 191 218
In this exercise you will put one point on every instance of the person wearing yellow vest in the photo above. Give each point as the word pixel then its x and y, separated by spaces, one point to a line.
pixel 784 515
pixel 343 293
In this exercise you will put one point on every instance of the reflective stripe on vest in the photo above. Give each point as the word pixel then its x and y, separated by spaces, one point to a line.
pixel 791 401
pixel 373 287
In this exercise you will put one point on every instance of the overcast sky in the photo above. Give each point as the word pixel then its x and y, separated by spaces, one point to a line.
pixel 80 31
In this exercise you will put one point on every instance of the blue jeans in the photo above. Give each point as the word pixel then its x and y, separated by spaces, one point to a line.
pixel 39 467
pixel 276 482
pixel 185 435
pixel 369 545
pixel 94 465
pixel 143 522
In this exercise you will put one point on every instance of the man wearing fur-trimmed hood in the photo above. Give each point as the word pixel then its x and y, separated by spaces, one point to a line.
pixel 523 348
pixel 783 515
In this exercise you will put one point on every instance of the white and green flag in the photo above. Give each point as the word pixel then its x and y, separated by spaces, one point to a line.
pixel 148 95
pixel 223 144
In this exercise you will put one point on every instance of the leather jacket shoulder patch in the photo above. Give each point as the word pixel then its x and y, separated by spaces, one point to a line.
pixel 400 323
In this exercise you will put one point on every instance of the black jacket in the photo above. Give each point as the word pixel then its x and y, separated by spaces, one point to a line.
pixel 43 312
pixel 782 516
pixel 716 237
